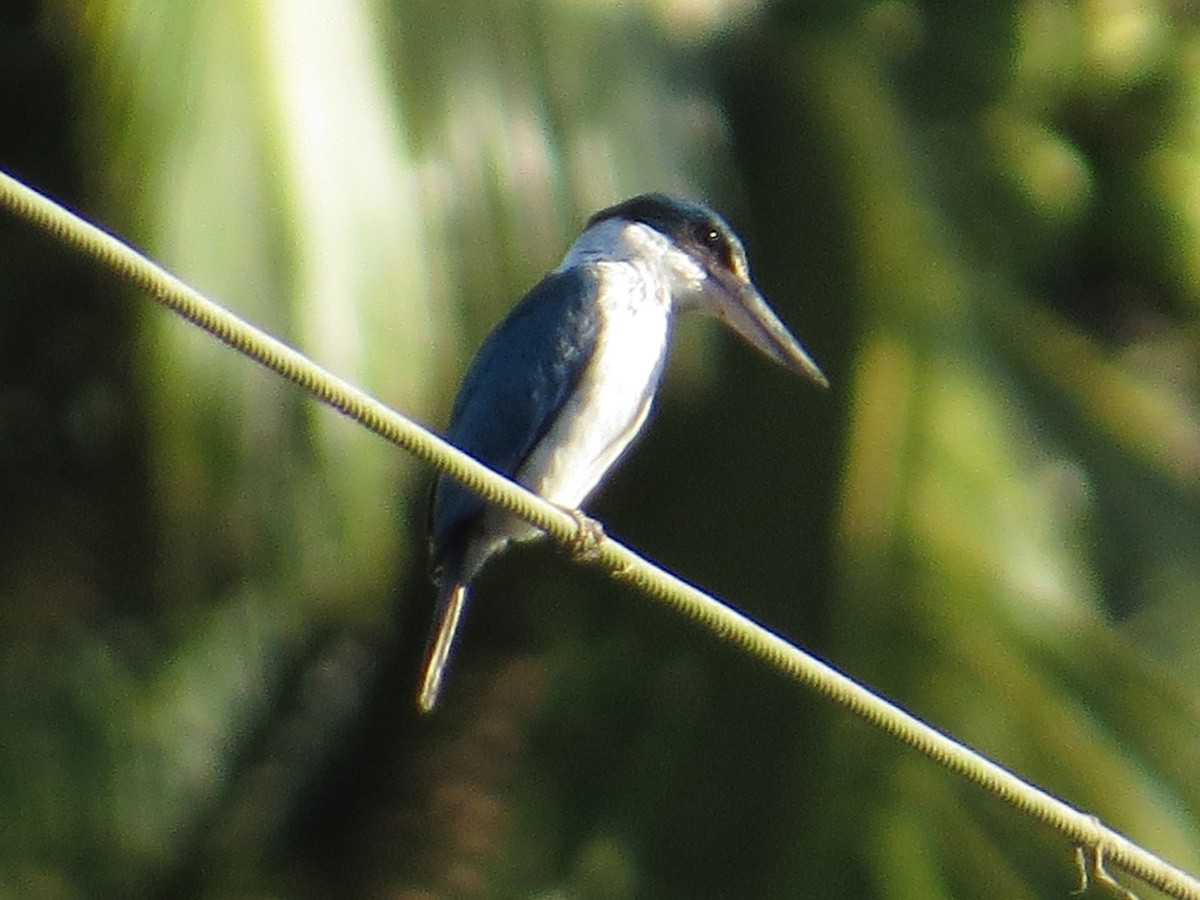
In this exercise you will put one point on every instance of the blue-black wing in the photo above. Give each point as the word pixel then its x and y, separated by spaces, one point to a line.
pixel 521 377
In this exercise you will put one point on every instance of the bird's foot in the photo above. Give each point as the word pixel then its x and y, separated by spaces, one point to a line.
pixel 1090 862
pixel 585 543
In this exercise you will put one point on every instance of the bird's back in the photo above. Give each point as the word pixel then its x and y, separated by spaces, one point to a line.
pixel 523 374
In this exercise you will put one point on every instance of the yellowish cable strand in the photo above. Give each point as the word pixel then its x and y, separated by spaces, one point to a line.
pixel 1096 842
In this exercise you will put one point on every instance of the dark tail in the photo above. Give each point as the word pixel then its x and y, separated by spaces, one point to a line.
pixel 452 598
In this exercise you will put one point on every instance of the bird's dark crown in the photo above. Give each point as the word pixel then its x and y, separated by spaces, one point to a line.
pixel 691 226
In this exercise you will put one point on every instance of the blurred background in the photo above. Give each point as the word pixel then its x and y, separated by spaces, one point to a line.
pixel 983 219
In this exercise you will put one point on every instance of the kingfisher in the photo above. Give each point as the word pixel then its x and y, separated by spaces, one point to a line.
pixel 563 385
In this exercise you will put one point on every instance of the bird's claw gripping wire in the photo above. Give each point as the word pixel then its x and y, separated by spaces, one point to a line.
pixel 1089 859
pixel 585 543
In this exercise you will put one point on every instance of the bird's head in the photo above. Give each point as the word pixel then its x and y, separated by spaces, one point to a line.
pixel 706 267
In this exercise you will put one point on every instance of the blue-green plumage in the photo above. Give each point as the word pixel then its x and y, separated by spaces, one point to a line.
pixel 524 372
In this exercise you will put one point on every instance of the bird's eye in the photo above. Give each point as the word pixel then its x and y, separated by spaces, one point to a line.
pixel 715 242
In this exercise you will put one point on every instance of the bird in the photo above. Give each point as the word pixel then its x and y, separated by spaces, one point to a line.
pixel 559 390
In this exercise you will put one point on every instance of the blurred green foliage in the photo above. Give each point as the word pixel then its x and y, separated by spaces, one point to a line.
pixel 984 220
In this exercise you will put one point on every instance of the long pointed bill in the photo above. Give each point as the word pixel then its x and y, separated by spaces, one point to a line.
pixel 745 310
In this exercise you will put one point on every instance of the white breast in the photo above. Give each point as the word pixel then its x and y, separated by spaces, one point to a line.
pixel 610 405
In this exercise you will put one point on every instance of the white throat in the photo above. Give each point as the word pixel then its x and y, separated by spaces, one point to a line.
pixel 655 258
